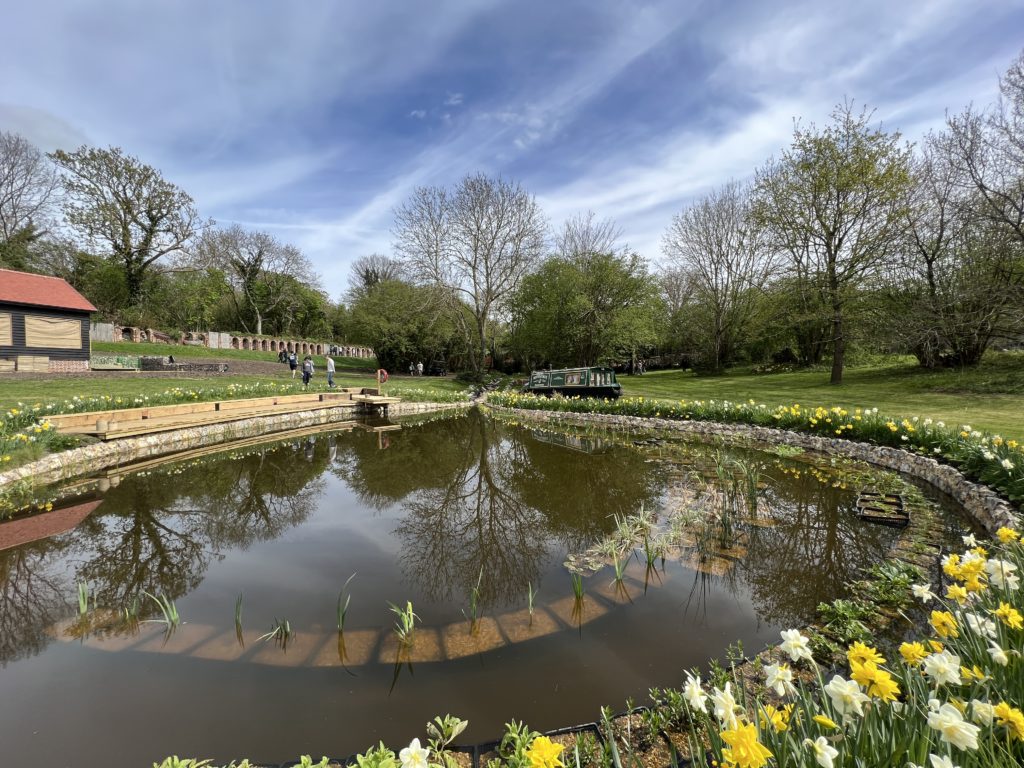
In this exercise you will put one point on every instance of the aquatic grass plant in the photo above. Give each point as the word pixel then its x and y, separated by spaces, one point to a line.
pixel 987 458
pixel 405 622
pixel 474 602
pixel 238 621
pixel 168 610
pixel 577 586
pixel 280 632
pixel 344 598
pixel 83 598
pixel 531 595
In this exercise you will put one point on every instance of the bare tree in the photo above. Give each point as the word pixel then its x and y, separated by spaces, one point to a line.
pixel 368 271
pixel 717 245
pixel 582 235
pixel 27 185
pixel 957 284
pixel 260 269
pixel 476 242
pixel 116 200
pixel 988 148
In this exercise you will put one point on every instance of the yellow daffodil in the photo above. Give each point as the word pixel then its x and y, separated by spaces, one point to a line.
pixel 1010 718
pixel 777 717
pixel 944 624
pixel 825 722
pixel 957 592
pixel 858 653
pixel 744 750
pixel 1009 615
pixel 1006 535
pixel 913 653
pixel 543 753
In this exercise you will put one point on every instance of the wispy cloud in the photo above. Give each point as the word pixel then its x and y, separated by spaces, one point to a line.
pixel 314 120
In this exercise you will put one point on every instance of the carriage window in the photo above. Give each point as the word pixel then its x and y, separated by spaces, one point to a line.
pixel 572 378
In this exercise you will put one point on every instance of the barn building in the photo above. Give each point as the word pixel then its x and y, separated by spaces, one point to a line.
pixel 44 324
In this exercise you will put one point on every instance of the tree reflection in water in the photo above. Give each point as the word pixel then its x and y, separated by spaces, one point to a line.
pixel 468 494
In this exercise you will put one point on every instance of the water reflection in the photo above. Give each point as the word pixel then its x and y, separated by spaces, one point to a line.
pixel 459 499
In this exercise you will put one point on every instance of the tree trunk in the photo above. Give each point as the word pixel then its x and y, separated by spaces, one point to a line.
pixel 838 346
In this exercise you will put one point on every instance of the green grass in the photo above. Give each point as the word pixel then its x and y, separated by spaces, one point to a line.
pixel 183 352
pixel 128 385
pixel 990 397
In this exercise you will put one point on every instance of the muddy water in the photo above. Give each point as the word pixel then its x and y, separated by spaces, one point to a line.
pixel 426 515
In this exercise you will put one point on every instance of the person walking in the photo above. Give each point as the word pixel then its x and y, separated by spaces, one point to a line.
pixel 293 362
pixel 412 369
pixel 419 368
pixel 330 372
pixel 307 370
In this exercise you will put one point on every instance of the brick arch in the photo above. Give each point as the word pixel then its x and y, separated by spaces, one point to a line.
pixel 319 349
pixel 273 345
pixel 235 344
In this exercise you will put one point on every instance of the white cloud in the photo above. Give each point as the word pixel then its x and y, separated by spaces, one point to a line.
pixel 419 114
pixel 453 100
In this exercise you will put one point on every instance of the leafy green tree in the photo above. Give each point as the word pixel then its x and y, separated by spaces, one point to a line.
pixel 834 202
pixel 586 310
pixel 188 300
pixel 403 323
pixel 119 202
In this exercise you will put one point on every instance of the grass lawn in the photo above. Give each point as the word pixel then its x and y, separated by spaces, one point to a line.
pixel 184 352
pixel 128 385
pixel 990 397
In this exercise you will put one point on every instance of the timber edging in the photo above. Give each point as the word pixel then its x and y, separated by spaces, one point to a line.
pixel 66 465
pixel 980 502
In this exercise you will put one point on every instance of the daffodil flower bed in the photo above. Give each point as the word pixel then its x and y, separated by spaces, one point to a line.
pixel 987 458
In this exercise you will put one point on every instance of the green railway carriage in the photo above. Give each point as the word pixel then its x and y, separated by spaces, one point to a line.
pixel 575 382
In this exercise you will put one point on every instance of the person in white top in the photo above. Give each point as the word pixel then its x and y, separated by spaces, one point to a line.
pixel 330 371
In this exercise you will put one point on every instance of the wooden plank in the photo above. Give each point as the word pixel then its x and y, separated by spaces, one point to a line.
pixel 33 363
pixel 75 422
pixel 165 424
pixel 6 365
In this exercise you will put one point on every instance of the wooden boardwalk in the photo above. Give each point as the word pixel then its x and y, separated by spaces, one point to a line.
pixel 134 422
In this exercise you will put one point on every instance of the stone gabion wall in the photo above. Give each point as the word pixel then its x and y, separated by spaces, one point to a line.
pixel 66 465
pixel 68 366
pixel 980 502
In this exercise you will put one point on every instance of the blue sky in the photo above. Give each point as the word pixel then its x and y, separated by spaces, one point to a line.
pixel 313 119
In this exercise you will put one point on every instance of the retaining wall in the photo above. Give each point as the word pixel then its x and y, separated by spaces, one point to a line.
pixel 93 458
pixel 980 502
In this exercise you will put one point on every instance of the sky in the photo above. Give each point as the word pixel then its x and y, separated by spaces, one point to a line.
pixel 314 119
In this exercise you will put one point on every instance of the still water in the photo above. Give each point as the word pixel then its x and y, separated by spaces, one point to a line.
pixel 428 514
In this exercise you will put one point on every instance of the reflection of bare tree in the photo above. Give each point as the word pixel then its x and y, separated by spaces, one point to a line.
pixel 157 533
pixel 506 501
pixel 476 523
pixel 818 546
pixel 32 597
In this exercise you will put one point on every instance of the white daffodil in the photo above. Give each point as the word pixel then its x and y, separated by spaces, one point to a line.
pixel 824 753
pixel 724 706
pixel 1006 464
pixel 795 645
pixel 414 756
pixel 1002 574
pixel 779 677
pixel 847 697
pixel 943 668
pixel 980 625
pixel 952 727
pixel 998 654
pixel 922 592
pixel 982 712
pixel 970 541
pixel 943 761
pixel 694 694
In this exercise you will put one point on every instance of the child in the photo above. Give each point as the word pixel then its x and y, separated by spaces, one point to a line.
pixel 307 370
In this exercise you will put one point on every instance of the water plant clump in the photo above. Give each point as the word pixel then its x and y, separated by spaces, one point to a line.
pixel 344 598
pixel 405 622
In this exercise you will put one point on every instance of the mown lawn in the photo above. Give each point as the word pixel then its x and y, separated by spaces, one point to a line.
pixel 183 352
pixel 128 385
pixel 990 397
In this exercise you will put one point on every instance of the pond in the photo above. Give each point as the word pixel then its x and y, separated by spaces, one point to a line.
pixel 446 513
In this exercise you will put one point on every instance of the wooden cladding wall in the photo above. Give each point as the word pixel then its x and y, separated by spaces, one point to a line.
pixel 17 343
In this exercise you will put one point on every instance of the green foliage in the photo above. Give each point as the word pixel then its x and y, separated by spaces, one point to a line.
pixel 377 757
pixel 585 310
pixel 514 743
pixel 403 323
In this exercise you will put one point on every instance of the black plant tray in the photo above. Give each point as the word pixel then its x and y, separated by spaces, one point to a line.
pixel 882 508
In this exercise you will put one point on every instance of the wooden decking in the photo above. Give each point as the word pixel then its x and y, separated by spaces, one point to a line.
pixel 134 422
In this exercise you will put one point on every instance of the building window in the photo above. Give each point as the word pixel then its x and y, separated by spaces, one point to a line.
pixel 52 332
pixel 6 334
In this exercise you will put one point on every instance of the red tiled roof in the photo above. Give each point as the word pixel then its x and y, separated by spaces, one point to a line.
pixel 40 291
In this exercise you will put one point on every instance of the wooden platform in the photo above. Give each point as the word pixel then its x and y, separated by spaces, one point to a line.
pixel 132 422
